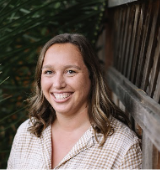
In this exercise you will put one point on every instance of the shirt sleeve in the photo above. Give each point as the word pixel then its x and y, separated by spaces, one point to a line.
pixel 132 158
pixel 13 154
pixel 16 149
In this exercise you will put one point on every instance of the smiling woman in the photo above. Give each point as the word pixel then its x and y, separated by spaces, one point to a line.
pixel 67 85
pixel 73 124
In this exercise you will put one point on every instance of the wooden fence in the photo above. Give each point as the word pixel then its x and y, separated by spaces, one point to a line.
pixel 133 47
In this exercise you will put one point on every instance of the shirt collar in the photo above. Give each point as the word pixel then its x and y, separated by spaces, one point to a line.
pixel 85 142
pixel 47 146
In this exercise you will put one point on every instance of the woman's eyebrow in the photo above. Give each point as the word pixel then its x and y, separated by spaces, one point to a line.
pixel 67 66
pixel 46 66
pixel 73 66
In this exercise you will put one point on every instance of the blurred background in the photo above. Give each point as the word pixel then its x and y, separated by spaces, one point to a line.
pixel 24 29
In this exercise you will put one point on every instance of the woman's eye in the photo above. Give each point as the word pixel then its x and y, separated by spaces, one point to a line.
pixel 71 72
pixel 48 72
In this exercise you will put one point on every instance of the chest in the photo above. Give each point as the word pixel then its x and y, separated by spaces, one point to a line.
pixel 61 146
pixel 89 158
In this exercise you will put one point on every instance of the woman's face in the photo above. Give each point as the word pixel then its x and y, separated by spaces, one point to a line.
pixel 65 79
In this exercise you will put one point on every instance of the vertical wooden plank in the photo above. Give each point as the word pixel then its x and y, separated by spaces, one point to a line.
pixel 134 38
pixel 144 44
pixel 147 148
pixel 136 51
pixel 156 96
pixel 132 122
pixel 121 106
pixel 158 162
pixel 120 35
pixel 115 99
pixel 117 34
pixel 150 49
pixel 155 68
pixel 138 130
pixel 156 158
pixel 130 28
pixel 124 39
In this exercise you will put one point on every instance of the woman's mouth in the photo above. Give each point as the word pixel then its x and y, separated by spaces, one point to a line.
pixel 61 96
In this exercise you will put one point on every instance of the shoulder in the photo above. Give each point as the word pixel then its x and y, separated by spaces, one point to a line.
pixel 121 149
pixel 121 139
pixel 27 148
pixel 123 130
pixel 23 136
pixel 126 145
pixel 123 134
pixel 23 128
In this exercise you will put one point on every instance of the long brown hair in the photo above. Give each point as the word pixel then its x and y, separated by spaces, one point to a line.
pixel 100 108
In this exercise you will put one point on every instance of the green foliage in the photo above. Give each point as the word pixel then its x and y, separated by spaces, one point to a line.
pixel 25 27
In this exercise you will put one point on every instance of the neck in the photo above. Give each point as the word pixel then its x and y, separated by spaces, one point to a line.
pixel 73 122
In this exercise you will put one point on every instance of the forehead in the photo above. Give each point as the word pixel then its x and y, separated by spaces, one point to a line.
pixel 61 53
pixel 60 47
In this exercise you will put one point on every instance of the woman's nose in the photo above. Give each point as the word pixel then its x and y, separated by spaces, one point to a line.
pixel 59 81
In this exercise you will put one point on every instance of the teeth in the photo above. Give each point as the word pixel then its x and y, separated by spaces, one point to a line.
pixel 61 96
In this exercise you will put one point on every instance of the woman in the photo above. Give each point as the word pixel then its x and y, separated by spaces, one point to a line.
pixel 73 124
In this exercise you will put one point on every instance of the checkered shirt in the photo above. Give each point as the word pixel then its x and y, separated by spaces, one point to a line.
pixel 120 151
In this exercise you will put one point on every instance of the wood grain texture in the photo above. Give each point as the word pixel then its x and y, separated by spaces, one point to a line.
pixel 144 110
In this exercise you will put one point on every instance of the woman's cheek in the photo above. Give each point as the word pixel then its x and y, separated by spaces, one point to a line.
pixel 46 83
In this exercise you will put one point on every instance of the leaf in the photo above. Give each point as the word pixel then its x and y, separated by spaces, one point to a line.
pixel 4 80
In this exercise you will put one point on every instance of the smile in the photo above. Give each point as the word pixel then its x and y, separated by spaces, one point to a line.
pixel 61 96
